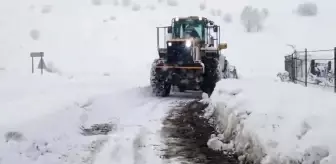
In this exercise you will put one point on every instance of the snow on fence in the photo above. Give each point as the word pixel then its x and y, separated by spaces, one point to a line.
pixel 315 67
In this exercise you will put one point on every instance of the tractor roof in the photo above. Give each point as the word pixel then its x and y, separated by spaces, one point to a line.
pixel 191 17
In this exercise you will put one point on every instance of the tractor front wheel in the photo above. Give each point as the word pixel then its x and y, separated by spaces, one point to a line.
pixel 162 87
pixel 211 75
pixel 159 83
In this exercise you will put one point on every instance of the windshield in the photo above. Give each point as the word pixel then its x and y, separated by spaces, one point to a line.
pixel 189 28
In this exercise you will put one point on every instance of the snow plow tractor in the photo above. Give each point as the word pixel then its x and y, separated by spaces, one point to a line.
pixel 188 56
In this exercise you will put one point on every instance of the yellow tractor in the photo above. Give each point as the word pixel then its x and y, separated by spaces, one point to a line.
pixel 188 57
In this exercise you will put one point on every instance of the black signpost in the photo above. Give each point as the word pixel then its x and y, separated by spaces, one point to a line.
pixel 41 64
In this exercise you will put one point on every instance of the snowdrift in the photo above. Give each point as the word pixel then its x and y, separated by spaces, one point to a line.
pixel 273 123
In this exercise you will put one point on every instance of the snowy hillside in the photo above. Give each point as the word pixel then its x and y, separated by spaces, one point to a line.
pixel 100 52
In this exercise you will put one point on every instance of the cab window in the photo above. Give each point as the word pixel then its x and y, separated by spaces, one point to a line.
pixel 189 28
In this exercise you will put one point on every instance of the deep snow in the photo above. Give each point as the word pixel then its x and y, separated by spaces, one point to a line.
pixel 281 122
pixel 108 49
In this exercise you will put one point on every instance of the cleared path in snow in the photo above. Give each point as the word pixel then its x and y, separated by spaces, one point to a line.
pixel 135 137
pixel 186 134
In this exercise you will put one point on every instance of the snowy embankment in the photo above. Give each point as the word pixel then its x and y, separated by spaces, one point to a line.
pixel 274 122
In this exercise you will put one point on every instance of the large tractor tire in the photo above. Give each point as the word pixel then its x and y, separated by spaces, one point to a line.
pixel 159 83
pixel 211 75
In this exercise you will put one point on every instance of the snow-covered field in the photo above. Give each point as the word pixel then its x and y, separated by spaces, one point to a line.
pixel 100 52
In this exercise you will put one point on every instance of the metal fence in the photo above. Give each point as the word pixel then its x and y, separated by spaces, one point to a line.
pixel 312 67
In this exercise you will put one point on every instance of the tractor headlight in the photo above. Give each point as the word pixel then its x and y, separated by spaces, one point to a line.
pixel 188 43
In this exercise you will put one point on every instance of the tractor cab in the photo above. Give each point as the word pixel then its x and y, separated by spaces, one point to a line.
pixel 189 38
pixel 193 27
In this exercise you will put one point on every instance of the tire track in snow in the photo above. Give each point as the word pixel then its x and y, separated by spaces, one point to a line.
pixel 138 131
pixel 186 134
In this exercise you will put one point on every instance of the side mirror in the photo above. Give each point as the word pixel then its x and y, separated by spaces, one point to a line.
pixel 215 29
pixel 170 30
pixel 222 46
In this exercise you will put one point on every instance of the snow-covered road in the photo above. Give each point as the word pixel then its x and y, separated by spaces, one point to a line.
pixel 56 138
pixel 138 123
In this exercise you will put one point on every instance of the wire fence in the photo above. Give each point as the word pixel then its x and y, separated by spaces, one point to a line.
pixel 312 67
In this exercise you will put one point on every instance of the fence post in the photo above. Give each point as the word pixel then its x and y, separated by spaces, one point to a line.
pixel 334 69
pixel 292 69
pixel 306 69
pixel 157 38
pixel 32 64
pixel 42 64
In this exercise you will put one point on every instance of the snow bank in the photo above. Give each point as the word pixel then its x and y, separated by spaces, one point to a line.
pixel 275 122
